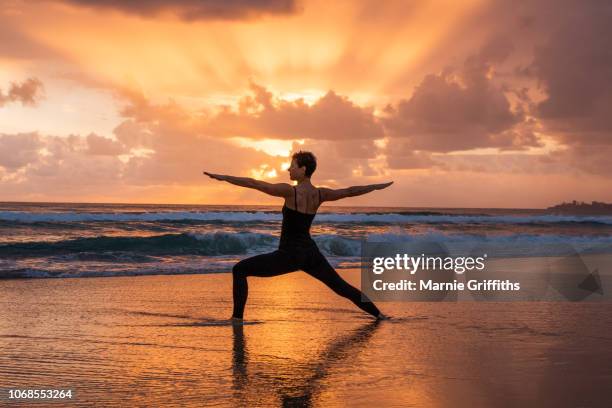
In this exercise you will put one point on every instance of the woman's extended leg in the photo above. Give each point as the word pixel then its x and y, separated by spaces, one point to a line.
pixel 270 264
pixel 324 272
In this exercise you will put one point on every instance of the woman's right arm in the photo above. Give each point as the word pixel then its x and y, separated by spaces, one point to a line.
pixel 273 189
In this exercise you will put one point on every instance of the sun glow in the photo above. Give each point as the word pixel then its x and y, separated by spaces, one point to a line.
pixel 310 97
pixel 264 172
pixel 272 147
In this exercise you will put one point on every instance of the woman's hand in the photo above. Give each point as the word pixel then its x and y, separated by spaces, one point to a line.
pixel 215 176
pixel 383 185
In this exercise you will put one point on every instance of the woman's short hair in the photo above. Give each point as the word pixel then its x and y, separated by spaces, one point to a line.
pixel 306 159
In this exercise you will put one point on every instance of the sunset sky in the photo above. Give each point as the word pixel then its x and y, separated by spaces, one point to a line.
pixel 469 103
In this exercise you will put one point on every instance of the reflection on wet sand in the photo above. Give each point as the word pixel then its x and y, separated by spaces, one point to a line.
pixel 299 390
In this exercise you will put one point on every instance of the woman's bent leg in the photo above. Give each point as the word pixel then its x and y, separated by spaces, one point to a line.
pixel 270 264
pixel 324 272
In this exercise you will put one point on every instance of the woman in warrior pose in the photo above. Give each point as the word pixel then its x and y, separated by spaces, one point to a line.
pixel 297 250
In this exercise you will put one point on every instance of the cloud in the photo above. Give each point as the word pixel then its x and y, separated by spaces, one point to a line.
pixel 17 150
pixel 331 117
pixel 28 92
pixel 461 109
pixel 142 157
pixel 589 158
pixel 191 10
pixel 152 151
pixel 103 146
pixel 400 155
pixel 16 44
pixel 355 149
pixel 502 164
pixel 339 132
pixel 261 115
pixel 574 67
pixel 334 166
pixel 545 68
pixel 174 155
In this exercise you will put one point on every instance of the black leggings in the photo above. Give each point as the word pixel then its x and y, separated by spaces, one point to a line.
pixel 283 261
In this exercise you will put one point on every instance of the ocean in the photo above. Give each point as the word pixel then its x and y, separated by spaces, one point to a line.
pixel 55 240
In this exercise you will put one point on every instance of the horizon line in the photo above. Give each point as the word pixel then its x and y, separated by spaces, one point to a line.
pixel 266 205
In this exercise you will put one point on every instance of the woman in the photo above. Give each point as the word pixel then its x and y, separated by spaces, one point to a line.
pixel 296 250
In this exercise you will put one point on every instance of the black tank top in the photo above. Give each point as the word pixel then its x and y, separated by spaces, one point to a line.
pixel 295 231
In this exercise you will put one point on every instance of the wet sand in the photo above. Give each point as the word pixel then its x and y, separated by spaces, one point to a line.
pixel 163 341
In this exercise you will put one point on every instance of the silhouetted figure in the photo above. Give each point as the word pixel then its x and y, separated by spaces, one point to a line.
pixel 297 250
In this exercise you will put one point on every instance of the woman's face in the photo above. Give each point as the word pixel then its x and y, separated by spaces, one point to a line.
pixel 295 172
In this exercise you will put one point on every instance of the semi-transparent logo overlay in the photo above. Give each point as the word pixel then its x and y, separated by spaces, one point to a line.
pixel 428 271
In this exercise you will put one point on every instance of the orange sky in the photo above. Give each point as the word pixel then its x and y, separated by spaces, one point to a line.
pixel 463 104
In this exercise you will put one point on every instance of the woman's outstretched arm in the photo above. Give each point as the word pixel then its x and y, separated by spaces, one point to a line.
pixel 329 194
pixel 274 189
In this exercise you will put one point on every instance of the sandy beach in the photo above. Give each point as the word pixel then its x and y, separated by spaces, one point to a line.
pixel 163 341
